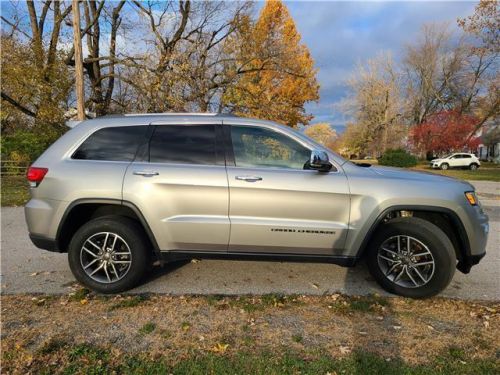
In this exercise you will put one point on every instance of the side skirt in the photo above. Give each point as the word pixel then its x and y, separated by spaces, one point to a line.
pixel 174 255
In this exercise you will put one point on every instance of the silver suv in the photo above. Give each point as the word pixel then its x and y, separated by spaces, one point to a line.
pixel 118 193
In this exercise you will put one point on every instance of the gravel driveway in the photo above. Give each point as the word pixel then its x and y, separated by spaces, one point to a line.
pixel 25 269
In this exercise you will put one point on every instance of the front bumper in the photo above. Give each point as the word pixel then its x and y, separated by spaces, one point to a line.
pixel 466 264
pixel 477 236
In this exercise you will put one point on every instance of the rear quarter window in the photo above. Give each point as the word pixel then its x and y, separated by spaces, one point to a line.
pixel 112 144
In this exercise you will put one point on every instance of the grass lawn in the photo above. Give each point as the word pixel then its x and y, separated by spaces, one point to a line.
pixel 487 171
pixel 89 359
pixel 268 334
pixel 15 191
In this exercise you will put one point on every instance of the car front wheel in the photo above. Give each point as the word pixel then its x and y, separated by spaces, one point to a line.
pixel 412 257
pixel 473 167
pixel 109 254
pixel 444 166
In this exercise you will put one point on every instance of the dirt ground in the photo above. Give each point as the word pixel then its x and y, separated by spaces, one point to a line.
pixel 35 327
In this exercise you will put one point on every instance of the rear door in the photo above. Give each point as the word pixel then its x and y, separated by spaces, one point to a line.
pixel 179 183
pixel 277 206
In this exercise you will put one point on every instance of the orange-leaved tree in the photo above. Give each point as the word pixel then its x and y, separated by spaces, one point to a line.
pixel 275 71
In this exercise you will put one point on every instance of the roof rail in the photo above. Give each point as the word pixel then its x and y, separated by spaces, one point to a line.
pixel 172 114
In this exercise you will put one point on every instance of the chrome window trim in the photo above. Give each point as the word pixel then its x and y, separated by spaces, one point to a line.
pixel 289 135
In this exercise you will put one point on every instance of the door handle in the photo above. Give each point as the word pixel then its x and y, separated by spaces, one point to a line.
pixel 146 173
pixel 249 178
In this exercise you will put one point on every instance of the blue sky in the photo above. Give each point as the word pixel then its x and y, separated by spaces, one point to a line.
pixel 341 34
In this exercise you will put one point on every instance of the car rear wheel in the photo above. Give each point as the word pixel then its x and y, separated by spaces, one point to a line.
pixel 473 166
pixel 109 254
pixel 412 257
pixel 444 166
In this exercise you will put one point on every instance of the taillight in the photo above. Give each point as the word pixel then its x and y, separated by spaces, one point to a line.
pixel 35 175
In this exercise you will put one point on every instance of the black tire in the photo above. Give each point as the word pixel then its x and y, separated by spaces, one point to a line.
pixel 438 244
pixel 131 233
pixel 444 166
pixel 473 167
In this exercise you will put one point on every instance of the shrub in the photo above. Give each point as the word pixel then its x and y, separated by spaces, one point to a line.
pixel 25 146
pixel 397 158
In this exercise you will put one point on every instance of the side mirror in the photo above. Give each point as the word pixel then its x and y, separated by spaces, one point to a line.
pixel 319 161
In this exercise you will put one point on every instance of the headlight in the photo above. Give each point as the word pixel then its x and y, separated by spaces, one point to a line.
pixel 471 198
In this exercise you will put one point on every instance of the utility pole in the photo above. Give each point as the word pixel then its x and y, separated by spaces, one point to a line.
pixel 77 40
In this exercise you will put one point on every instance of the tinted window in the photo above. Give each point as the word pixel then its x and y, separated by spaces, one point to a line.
pixel 184 144
pixel 465 156
pixel 260 147
pixel 113 144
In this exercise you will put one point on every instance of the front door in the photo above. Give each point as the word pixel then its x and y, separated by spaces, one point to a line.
pixel 277 206
pixel 180 186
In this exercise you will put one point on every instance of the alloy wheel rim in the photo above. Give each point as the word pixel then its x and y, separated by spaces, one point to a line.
pixel 406 261
pixel 105 257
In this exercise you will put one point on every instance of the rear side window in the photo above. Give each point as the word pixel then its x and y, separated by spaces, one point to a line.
pixel 112 144
pixel 183 144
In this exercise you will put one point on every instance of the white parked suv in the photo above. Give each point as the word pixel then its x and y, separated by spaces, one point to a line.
pixel 458 160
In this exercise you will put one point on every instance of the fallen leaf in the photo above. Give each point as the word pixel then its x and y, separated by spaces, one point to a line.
pixel 34 273
pixel 220 348
pixel 315 286
pixel 84 301
pixel 344 349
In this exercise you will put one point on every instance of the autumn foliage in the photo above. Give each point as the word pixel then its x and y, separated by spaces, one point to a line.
pixel 444 132
pixel 280 76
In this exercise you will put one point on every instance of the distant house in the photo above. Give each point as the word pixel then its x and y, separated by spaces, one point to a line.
pixel 489 148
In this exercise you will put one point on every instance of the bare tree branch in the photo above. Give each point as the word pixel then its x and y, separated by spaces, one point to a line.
pixel 18 105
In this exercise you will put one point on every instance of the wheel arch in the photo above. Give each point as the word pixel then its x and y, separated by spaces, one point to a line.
pixel 444 218
pixel 81 211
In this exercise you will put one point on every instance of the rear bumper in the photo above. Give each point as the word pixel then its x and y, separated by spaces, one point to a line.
pixel 44 243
